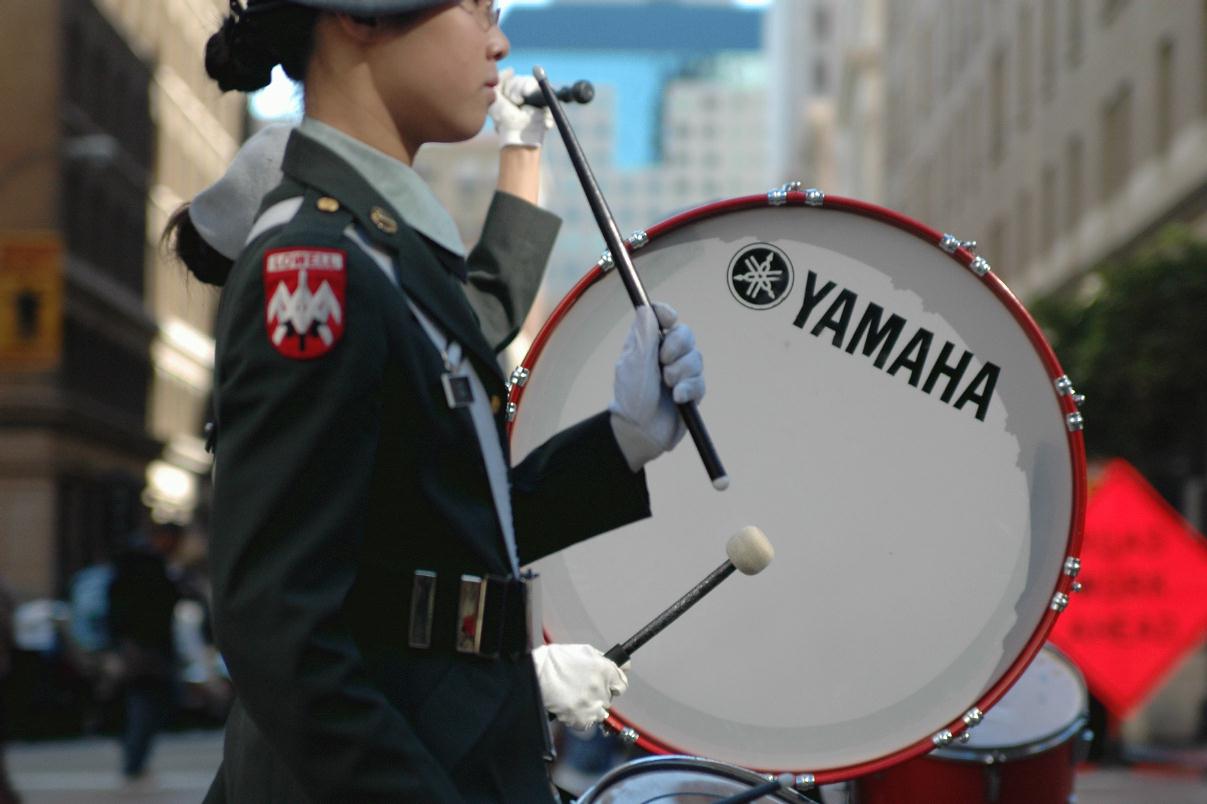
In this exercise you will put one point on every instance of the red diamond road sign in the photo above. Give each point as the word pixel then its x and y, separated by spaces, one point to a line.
pixel 1144 605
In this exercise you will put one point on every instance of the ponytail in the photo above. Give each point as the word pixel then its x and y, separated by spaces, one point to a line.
pixel 241 54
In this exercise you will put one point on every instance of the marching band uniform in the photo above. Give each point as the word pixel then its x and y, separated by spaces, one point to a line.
pixel 337 476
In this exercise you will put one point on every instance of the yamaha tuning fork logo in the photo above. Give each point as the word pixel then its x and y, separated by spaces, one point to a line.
pixel 760 276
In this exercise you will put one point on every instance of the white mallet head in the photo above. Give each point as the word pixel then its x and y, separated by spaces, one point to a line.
pixel 749 550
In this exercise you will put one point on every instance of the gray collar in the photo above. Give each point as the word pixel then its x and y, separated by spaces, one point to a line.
pixel 396 182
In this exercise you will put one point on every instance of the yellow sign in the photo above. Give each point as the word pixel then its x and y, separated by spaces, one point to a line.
pixel 31 301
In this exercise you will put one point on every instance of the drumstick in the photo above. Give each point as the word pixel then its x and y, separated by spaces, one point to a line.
pixel 628 274
pixel 748 551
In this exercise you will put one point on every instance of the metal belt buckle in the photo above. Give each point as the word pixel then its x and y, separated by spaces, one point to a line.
pixel 423 609
pixel 480 615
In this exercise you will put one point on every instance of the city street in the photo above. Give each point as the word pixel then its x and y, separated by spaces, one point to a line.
pixel 85 772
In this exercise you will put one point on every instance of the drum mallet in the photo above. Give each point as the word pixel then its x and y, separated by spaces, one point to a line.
pixel 628 274
pixel 578 92
pixel 748 551
pixel 785 781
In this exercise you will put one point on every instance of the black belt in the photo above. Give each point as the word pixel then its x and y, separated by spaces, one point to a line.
pixel 483 616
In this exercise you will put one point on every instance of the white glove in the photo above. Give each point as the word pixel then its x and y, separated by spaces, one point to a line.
pixel 516 123
pixel 649 381
pixel 578 683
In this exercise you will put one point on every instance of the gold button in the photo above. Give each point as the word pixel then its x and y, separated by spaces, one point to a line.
pixel 495 403
pixel 382 220
pixel 327 204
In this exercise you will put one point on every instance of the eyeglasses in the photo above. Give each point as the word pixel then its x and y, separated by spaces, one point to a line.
pixel 484 12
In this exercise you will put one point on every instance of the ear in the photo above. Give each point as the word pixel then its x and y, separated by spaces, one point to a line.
pixel 360 29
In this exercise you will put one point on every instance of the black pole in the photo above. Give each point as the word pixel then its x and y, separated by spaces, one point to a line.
pixel 628 274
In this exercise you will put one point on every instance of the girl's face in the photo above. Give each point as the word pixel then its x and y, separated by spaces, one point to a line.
pixel 437 76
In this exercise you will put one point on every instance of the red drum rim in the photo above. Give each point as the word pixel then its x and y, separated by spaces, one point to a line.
pixel 981 269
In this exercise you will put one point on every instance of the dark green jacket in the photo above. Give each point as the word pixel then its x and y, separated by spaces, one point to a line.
pixel 336 477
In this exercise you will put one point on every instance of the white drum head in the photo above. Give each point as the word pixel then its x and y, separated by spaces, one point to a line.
pixel 918 545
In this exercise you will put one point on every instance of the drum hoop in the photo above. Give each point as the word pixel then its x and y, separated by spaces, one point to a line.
pixel 674 762
pixel 1011 753
pixel 1064 587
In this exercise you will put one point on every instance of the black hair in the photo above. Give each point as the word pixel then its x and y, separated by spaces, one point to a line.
pixel 241 54
pixel 181 237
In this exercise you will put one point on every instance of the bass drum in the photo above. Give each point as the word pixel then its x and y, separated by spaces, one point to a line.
pixel 1025 752
pixel 892 418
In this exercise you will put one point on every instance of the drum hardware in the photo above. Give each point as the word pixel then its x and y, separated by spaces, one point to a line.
pixel 629 736
pixel 951 244
pixel 778 196
pixel 519 378
pixel 511 411
pixel 1076 587
pixel 805 781
pixel 979 266
pixel 1075 422
pixel 964 737
pixel 748 550
pixel 942 738
pixel 689 412
pixel 1072 566
pixel 635 242
pixel 687 778
pixel 1059 601
pixel 1064 387
pixel 972 718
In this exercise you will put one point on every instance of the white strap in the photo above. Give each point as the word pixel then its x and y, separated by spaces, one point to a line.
pixel 278 214
pixel 484 426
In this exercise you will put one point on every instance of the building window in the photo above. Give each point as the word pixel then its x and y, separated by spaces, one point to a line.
pixel 1075 32
pixel 997 107
pixel 1111 9
pixel 1116 141
pixel 1026 57
pixel 1022 226
pixel 1047 210
pixel 821 22
pixel 1074 162
pixel 1165 79
pixel 1048 59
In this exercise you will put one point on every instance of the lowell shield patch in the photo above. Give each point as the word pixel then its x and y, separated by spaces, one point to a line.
pixel 304 307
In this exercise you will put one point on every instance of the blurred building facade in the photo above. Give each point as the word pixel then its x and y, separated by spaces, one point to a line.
pixel 1057 133
pixel 104 356
pixel 696 84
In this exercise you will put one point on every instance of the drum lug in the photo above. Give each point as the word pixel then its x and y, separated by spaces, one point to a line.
pixel 512 407
pixel 942 738
pixel 980 266
pixel 814 197
pixel 964 738
pixel 1072 566
pixel 605 261
pixel 777 197
pixel 629 736
pixel 1059 601
pixel 638 240
pixel 1076 587
pixel 973 718
pixel 1064 387
pixel 951 244
pixel 1075 422
pixel 805 781
pixel 519 377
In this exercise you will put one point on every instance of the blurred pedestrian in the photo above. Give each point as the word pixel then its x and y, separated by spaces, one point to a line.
pixel 142 602
pixel 7 646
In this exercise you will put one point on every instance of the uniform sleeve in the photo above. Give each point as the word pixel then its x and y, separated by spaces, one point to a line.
pixel 574 486
pixel 506 266
pixel 294 461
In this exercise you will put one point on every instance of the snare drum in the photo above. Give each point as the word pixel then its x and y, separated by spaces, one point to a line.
pixel 892 418
pixel 668 780
pixel 1025 751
